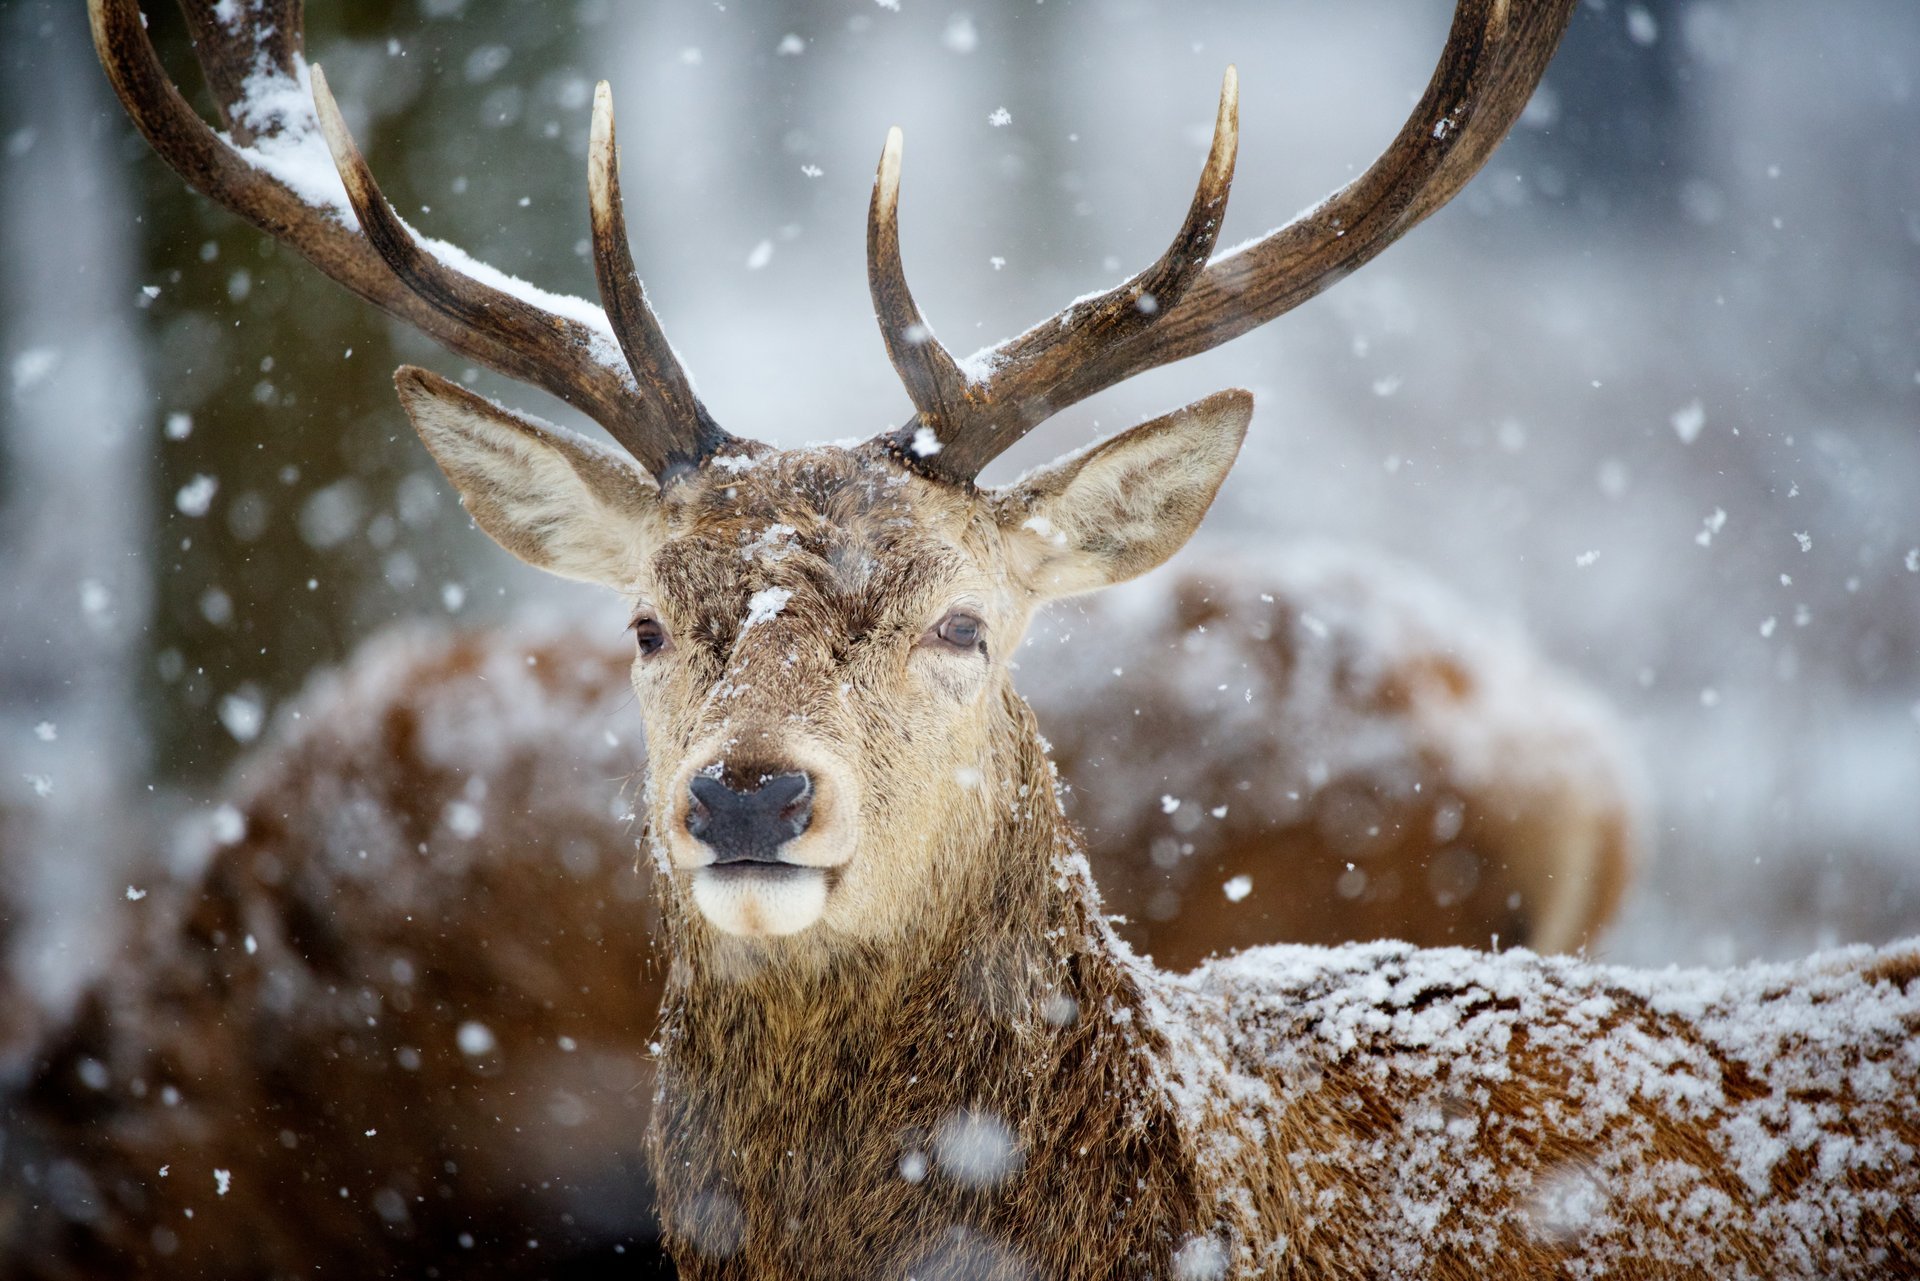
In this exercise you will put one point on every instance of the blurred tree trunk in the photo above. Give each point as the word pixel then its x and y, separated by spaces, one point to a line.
pixel 74 475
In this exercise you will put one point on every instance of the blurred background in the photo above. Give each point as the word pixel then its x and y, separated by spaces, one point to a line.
pixel 1651 385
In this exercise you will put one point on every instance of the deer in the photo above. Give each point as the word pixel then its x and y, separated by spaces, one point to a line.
pixel 898 1035
pixel 1360 756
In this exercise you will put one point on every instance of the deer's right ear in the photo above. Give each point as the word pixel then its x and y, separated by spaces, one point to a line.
pixel 554 499
pixel 1105 514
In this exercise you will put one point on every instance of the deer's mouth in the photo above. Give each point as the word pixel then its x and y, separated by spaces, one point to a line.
pixel 755 898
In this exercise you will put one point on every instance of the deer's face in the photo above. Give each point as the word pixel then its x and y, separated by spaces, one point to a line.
pixel 821 639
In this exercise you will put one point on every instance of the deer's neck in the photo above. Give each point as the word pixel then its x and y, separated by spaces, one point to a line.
pixel 978 1099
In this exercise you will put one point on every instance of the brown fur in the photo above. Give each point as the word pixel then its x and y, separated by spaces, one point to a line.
pixel 1224 1114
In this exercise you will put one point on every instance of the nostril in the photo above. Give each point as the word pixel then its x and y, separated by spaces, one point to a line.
pixel 709 793
pixel 798 812
pixel 699 817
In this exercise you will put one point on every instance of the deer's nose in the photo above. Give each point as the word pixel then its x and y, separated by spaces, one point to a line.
pixel 749 826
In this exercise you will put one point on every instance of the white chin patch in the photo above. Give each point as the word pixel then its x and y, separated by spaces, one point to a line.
pixel 760 902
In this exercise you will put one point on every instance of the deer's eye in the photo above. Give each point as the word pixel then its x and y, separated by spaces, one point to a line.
pixel 959 630
pixel 649 636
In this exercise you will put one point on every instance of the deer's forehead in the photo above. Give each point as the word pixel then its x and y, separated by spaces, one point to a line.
pixel 850 539
pixel 838 520
pixel 823 482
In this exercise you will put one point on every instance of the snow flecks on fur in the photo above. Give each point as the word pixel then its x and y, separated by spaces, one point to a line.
pixel 764 606
pixel 770 545
pixel 1360 624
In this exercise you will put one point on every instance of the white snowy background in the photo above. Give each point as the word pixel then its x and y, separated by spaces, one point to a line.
pixel 1651 385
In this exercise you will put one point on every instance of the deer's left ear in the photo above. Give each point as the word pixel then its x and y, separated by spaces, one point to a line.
pixel 554 499
pixel 1113 511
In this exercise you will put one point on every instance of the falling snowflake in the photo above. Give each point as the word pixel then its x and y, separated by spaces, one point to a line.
pixel 960 35
pixel 976 1148
pixel 475 1038
pixel 196 496
pixel 1688 420
pixel 227 825
pixel 1711 525
pixel 242 714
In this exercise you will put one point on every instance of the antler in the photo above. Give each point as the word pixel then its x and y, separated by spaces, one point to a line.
pixel 975 409
pixel 648 353
pixel 269 174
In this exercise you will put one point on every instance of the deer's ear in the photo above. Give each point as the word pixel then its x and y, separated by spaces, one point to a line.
pixel 554 499
pixel 1121 507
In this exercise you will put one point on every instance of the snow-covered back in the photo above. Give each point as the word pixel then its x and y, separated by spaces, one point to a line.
pixel 1444 1104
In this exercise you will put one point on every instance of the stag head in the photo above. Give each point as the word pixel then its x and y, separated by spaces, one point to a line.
pixel 821 633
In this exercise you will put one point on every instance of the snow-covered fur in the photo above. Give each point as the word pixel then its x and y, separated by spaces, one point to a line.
pixel 1384 1110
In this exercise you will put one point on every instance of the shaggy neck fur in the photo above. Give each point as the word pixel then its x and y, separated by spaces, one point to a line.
pixel 977 1100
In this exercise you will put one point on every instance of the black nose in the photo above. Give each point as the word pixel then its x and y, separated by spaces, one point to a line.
pixel 750 826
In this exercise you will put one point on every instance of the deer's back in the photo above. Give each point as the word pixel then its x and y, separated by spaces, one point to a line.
pixel 1441 1113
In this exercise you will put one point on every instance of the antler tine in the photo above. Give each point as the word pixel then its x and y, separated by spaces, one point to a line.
pixel 935 382
pixel 649 355
pixel 990 422
pixel 1495 54
pixel 542 347
pixel 566 350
